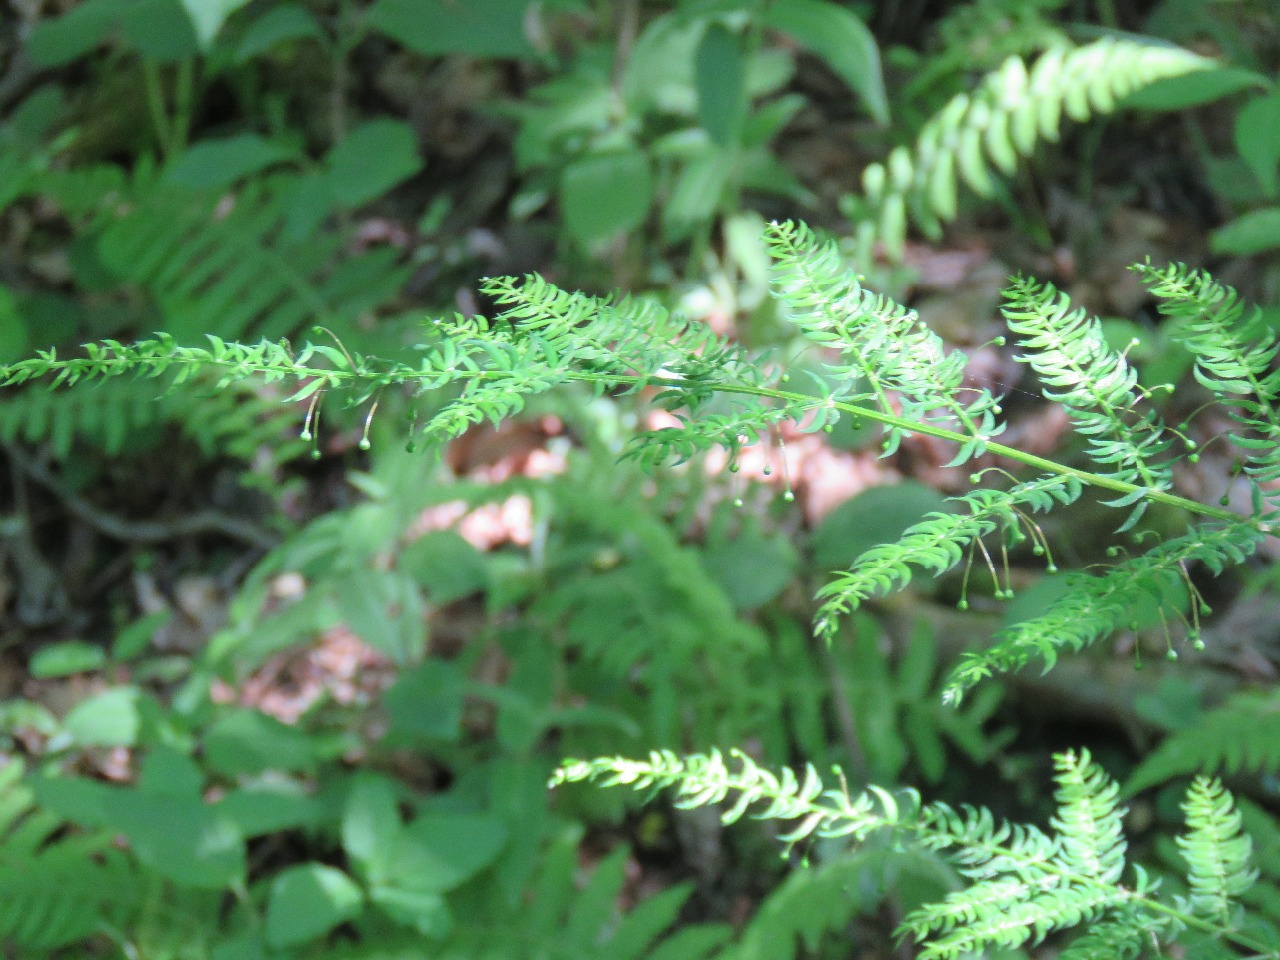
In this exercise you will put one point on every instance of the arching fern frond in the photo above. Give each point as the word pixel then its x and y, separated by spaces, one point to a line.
pixel 1095 606
pixel 238 267
pixel 1241 736
pixel 978 136
pixel 1025 883
pixel 890 358
pixel 1095 384
pixel 240 420
pixel 937 544
pixel 1234 357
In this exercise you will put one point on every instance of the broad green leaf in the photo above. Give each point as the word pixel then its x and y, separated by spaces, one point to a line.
pixel 271 807
pixel 61 659
pixel 436 853
pixel 107 719
pixel 278 25
pixel 1193 89
pixel 698 191
pixel 603 194
pixel 247 742
pixel 426 701
pixel 659 73
pixel 752 568
pixel 385 608
pixel 875 516
pixel 837 35
pixel 208 16
pixel 371 826
pixel 371 159
pixel 1255 232
pixel 478 28
pixel 183 839
pixel 722 95
pixel 215 164
pixel 440 851
pixel 1257 136
pixel 160 30
pixel 134 638
pixel 445 565
pixel 60 40
pixel 308 900
pixel 170 773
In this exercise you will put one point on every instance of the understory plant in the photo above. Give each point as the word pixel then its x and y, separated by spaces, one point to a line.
pixel 629 622
pixel 881 365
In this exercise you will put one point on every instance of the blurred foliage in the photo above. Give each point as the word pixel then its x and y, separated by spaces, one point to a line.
pixel 177 785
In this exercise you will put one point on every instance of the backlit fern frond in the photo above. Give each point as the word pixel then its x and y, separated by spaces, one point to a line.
pixel 1234 357
pixel 1095 606
pixel 1243 735
pixel 1217 851
pixel 938 543
pixel 980 135
pixel 1025 883
pixel 890 358
pixel 1098 388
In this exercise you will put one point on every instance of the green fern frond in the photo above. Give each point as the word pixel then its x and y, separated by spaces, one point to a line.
pixel 1095 384
pixel 240 269
pixel 1234 357
pixel 1026 883
pixel 981 135
pixel 936 544
pixel 1241 736
pixel 1095 606
pixel 1089 821
pixel 240 420
pixel 1217 851
pixel 55 888
pixel 891 359
pixel 1111 940
pixel 565 916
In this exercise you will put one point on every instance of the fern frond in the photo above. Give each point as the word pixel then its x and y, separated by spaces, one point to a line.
pixel 239 269
pixel 239 420
pixel 936 544
pixel 55 888
pixel 566 916
pixel 891 359
pixel 1089 821
pixel 1026 883
pixel 1234 357
pixel 1217 851
pixel 1243 735
pixel 980 135
pixel 1098 388
pixel 1097 605
pixel 1111 940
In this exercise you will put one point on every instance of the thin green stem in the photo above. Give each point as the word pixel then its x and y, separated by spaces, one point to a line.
pixel 403 373
pixel 156 106
pixel 183 97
